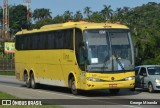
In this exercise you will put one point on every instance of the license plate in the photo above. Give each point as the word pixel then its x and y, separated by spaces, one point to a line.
pixel 112 85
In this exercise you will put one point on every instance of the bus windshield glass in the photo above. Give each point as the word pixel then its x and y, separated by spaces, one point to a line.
pixel 109 50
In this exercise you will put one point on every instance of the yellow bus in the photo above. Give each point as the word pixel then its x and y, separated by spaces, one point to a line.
pixel 77 55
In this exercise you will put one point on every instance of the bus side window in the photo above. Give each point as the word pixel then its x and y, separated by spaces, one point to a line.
pixel 68 41
pixel 51 43
pixel 34 41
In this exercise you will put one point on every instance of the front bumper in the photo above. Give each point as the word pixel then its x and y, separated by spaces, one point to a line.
pixel 109 85
pixel 156 86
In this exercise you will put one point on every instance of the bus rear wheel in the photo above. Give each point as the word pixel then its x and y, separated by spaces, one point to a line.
pixel 114 91
pixel 33 83
pixel 27 80
pixel 73 86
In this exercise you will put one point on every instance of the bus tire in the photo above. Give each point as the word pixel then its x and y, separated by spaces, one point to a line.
pixel 73 86
pixel 114 91
pixel 33 83
pixel 27 80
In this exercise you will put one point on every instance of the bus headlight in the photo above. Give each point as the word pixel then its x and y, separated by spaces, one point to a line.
pixel 130 78
pixel 93 79
pixel 157 80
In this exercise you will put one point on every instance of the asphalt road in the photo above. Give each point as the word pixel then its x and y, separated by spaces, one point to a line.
pixel 92 99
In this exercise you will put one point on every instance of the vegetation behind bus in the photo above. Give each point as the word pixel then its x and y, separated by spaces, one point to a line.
pixel 7 73
pixel 6 59
pixel 144 24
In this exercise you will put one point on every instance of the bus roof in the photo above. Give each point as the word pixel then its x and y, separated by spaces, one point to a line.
pixel 81 25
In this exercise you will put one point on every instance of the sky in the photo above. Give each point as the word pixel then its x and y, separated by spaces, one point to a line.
pixel 60 6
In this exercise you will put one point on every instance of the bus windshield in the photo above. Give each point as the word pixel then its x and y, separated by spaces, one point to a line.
pixel 109 50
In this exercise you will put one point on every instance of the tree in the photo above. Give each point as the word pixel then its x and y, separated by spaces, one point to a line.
pixel 117 15
pixel 36 15
pixel 78 16
pixel 1 19
pixel 18 18
pixel 146 26
pixel 41 14
pixel 87 11
pixel 1 15
pixel 67 16
pixel 96 17
pixel 107 12
pixel 42 22
pixel 58 19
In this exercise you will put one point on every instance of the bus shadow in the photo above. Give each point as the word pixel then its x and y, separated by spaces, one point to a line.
pixel 52 88
pixel 106 93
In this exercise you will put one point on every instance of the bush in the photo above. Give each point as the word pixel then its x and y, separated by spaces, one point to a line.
pixel 152 61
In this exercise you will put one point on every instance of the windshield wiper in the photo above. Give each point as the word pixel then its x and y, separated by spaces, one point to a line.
pixel 118 61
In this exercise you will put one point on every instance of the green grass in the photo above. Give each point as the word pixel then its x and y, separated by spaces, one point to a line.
pixel 7 96
pixel 8 73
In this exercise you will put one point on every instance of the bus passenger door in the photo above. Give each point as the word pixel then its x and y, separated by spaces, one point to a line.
pixel 82 57
pixel 81 60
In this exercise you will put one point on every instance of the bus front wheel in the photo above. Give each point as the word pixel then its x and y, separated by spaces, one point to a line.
pixel 27 80
pixel 73 86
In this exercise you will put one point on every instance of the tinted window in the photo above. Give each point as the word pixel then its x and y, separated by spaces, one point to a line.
pixel 142 71
pixel 51 40
pixel 35 41
pixel 153 70
pixel 62 39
